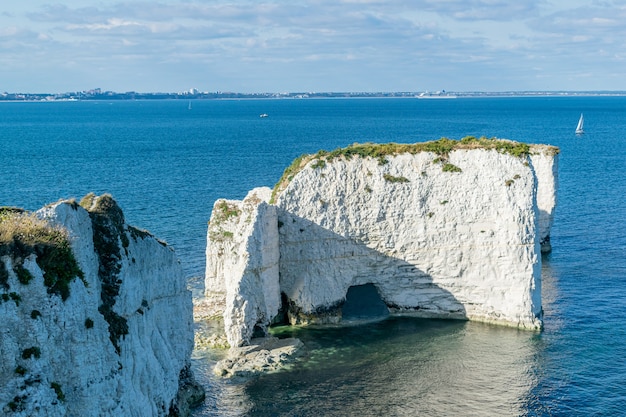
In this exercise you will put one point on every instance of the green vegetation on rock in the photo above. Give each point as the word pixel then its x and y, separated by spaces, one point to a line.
pixel 448 167
pixel 57 389
pixel 107 219
pixel 23 234
pixel 222 212
pixel 391 178
pixel 31 352
pixel 23 275
pixel 441 148
pixel 225 211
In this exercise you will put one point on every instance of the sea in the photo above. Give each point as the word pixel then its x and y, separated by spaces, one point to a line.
pixel 166 163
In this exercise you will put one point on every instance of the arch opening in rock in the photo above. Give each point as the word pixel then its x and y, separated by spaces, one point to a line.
pixel 363 302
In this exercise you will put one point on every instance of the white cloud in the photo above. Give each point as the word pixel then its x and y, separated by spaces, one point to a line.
pixel 313 44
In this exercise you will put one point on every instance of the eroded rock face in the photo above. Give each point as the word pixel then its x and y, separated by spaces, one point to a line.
pixel 119 344
pixel 450 236
pixel 545 166
pixel 440 244
pixel 243 245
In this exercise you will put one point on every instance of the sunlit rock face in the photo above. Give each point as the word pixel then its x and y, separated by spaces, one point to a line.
pixel 117 343
pixel 243 248
pixel 452 236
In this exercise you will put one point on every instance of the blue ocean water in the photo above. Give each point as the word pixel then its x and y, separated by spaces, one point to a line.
pixel 166 165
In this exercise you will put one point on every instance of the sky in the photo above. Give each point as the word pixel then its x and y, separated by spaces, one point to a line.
pixel 312 45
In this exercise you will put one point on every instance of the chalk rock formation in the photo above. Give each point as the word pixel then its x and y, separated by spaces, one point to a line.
pixel 243 245
pixel 114 338
pixel 546 168
pixel 264 354
pixel 444 229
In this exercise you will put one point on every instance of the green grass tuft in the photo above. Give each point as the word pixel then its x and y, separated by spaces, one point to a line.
pixel 448 167
pixel 57 389
pixel 31 352
pixel 391 178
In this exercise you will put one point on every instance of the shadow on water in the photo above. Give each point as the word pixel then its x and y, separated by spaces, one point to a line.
pixel 399 366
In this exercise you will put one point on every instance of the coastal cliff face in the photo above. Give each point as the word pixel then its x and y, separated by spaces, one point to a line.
pixel 112 338
pixel 452 233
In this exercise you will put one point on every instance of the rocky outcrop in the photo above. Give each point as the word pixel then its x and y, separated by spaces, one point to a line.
pixel 265 354
pixel 444 229
pixel 545 166
pixel 243 245
pixel 115 336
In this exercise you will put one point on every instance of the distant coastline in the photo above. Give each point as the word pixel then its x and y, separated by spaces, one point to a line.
pixel 194 94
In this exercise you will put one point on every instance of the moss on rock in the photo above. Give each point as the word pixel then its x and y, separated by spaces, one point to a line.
pixel 108 232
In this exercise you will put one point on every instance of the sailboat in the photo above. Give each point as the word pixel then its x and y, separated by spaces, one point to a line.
pixel 579 128
pixel 189 107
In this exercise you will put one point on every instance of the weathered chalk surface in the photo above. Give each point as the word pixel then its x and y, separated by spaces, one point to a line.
pixel 452 233
pixel 116 343
pixel 265 354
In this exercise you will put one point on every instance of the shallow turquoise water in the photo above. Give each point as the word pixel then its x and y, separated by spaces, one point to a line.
pixel 166 165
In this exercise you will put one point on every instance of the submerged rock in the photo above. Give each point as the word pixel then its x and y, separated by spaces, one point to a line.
pixel 261 355
pixel 111 336
pixel 445 229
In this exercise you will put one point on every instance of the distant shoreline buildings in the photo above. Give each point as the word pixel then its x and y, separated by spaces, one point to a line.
pixel 98 94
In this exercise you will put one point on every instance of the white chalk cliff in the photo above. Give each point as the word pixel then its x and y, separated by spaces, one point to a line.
pixel 450 234
pixel 116 342
pixel 243 246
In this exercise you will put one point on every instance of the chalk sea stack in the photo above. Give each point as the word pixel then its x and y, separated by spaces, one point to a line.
pixel 442 229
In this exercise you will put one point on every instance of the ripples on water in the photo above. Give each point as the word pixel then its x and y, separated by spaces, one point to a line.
pixel 166 165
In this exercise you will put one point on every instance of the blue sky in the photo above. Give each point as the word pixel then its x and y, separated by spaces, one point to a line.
pixel 312 45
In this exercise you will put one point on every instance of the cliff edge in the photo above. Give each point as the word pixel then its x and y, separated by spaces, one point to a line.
pixel 95 316
pixel 447 229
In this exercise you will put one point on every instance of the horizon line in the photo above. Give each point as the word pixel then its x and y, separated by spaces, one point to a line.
pixel 196 92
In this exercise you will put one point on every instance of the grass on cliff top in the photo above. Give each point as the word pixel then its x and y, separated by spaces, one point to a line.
pixel 441 147
pixel 23 234
pixel 16 225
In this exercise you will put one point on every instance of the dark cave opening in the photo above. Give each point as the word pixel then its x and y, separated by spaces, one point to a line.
pixel 363 302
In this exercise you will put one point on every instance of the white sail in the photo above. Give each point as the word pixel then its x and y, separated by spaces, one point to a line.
pixel 579 128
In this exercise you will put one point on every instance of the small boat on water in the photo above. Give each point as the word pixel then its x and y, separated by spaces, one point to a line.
pixel 579 127
pixel 263 115
pixel 189 106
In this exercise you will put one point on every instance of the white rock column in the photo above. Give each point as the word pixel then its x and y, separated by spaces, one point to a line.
pixel 545 162
pixel 242 264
